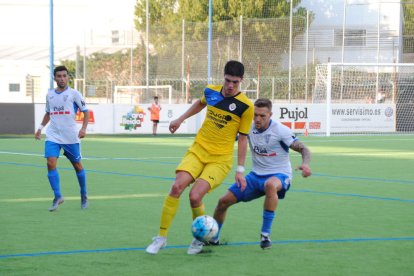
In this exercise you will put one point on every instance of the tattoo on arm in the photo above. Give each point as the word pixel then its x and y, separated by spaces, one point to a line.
pixel 303 150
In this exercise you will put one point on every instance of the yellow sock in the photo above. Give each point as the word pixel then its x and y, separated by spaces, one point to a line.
pixel 169 209
pixel 198 211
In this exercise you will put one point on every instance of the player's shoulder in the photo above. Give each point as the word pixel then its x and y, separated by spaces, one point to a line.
pixel 213 88
pixel 242 97
pixel 73 91
pixel 279 127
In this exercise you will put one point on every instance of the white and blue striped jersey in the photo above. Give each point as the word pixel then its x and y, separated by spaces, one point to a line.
pixel 270 149
pixel 62 108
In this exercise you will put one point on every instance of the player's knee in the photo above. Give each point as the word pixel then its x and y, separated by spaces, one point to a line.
pixel 176 190
pixel 51 164
pixel 195 198
pixel 271 187
pixel 78 166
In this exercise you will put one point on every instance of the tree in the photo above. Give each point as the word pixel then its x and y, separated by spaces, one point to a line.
pixel 265 31
pixel 408 9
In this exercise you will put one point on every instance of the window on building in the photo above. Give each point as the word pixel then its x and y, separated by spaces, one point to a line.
pixel 115 37
pixel 352 37
pixel 14 87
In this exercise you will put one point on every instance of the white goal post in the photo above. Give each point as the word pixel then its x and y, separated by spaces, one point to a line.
pixel 142 94
pixel 366 98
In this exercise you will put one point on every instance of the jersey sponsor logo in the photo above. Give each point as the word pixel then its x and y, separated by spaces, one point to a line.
pixel 220 120
pixel 263 151
pixel 220 126
pixel 59 108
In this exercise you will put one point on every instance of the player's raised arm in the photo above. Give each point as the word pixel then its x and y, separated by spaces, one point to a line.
pixel 298 146
pixel 195 108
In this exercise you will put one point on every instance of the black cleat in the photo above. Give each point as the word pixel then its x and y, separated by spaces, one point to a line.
pixel 265 242
pixel 213 243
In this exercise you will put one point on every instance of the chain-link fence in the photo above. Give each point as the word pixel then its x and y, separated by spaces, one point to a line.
pixel 276 66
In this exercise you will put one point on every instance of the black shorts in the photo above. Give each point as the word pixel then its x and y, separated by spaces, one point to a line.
pixel 155 121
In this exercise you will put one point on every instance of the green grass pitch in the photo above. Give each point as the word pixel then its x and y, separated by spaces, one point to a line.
pixel 354 216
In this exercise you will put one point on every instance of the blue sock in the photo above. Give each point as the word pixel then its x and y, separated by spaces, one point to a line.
pixel 82 181
pixel 268 217
pixel 54 181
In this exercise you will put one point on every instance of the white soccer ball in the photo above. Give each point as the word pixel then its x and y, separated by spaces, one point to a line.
pixel 204 228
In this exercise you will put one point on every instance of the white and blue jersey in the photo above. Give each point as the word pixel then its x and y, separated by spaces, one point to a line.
pixel 270 156
pixel 62 108
pixel 270 149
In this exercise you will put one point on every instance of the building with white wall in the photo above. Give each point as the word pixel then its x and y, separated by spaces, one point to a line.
pixel 372 31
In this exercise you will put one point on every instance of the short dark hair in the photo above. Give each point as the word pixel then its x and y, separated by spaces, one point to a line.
pixel 234 68
pixel 155 97
pixel 60 68
pixel 263 103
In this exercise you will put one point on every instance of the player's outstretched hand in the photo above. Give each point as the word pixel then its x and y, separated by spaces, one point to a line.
pixel 240 181
pixel 38 134
pixel 306 171
pixel 174 125
pixel 82 133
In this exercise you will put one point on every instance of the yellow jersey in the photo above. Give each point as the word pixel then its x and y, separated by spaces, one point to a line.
pixel 225 118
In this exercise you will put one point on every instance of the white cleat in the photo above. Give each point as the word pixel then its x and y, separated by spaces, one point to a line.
pixel 157 244
pixel 196 247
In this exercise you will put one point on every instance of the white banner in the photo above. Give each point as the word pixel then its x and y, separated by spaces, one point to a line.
pixel 344 118
pixel 112 119
pixel 302 118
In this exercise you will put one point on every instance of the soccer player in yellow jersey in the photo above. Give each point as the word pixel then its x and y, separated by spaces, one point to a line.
pixel 210 158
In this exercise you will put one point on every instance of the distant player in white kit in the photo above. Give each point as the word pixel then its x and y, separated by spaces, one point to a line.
pixel 271 174
pixel 62 103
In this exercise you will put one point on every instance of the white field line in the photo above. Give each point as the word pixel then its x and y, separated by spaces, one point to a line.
pixel 37 199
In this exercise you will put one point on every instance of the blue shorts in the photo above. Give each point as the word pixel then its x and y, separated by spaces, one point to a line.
pixel 255 186
pixel 71 151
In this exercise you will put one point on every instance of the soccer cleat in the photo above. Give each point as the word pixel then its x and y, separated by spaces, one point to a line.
pixel 265 242
pixel 196 247
pixel 213 243
pixel 157 244
pixel 56 203
pixel 84 202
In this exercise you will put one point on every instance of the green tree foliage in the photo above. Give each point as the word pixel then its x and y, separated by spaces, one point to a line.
pixel 265 30
pixel 408 9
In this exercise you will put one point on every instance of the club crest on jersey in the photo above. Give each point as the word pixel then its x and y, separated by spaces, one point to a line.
pixel 232 107
pixel 65 97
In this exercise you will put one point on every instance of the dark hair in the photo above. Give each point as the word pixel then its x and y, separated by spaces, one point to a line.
pixel 263 103
pixel 60 68
pixel 234 68
pixel 155 97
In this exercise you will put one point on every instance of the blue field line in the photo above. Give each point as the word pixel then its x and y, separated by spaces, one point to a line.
pixel 364 178
pixel 109 250
pixel 354 195
pixel 225 183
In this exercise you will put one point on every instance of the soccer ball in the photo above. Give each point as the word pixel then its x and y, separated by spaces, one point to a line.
pixel 204 228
